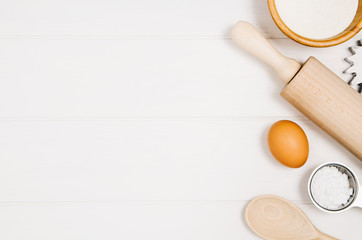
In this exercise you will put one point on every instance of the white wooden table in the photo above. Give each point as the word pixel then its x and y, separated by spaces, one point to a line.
pixel 131 119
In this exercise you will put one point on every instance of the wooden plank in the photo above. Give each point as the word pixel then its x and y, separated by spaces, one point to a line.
pixel 130 221
pixel 212 18
pixel 50 78
pixel 127 17
pixel 152 160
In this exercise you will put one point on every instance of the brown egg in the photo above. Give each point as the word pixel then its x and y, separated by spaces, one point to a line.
pixel 288 143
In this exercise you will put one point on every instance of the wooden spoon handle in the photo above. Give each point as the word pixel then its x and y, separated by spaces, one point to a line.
pixel 246 36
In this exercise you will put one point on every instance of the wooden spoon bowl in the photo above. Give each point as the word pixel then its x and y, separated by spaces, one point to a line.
pixel 275 218
pixel 348 33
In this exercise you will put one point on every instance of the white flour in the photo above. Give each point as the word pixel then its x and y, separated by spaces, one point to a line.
pixel 317 19
pixel 330 188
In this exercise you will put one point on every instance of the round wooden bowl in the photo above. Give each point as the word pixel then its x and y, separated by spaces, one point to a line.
pixel 348 33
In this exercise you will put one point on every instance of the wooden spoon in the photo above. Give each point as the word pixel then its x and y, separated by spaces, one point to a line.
pixel 275 218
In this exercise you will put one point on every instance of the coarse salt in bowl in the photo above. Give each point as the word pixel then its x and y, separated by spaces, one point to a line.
pixel 330 188
pixel 333 187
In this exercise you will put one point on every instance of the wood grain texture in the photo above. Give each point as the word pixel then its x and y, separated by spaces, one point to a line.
pixel 179 18
pixel 325 99
pixel 315 90
pixel 151 220
pixel 123 119
pixel 112 78
pixel 275 218
pixel 153 160
pixel 129 18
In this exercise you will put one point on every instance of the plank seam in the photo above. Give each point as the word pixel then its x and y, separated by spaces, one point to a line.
pixel 150 118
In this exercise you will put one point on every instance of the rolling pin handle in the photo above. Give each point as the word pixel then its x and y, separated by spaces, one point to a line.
pixel 246 36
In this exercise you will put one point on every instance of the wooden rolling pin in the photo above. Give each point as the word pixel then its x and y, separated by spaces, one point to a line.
pixel 312 88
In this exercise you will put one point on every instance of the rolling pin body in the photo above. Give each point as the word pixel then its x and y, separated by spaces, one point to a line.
pixel 313 89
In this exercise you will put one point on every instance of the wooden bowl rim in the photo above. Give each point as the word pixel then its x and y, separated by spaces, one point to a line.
pixel 347 34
